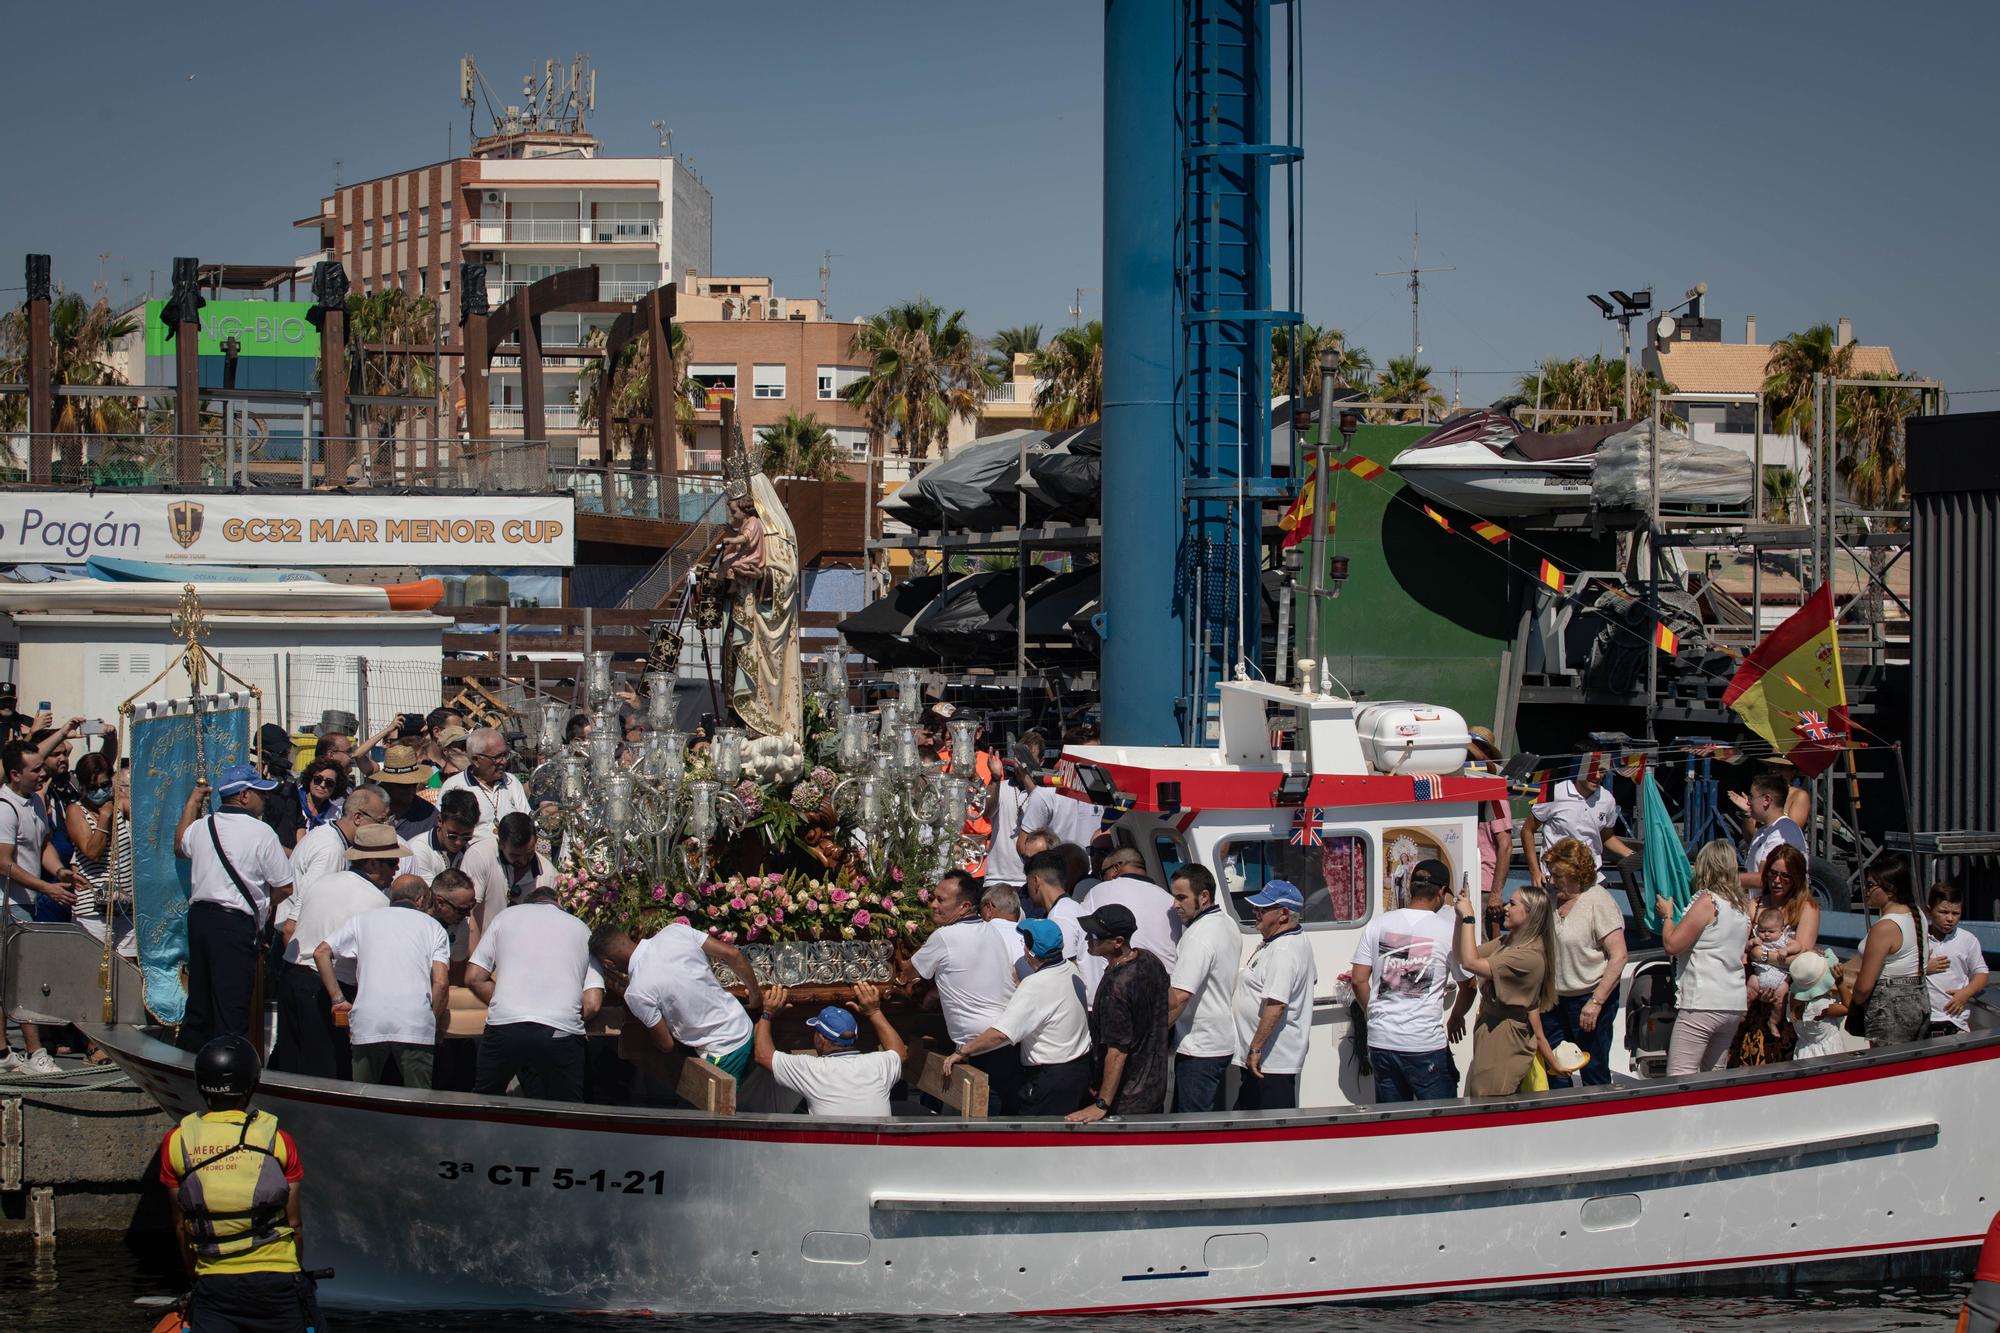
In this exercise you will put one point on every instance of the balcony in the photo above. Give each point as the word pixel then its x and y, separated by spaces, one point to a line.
pixel 562 231
pixel 512 416
pixel 606 291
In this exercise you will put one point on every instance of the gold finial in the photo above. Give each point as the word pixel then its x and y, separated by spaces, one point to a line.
pixel 190 626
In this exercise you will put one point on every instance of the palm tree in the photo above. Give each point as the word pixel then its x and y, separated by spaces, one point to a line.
pixel 1869 425
pixel 1311 339
pixel 1405 381
pixel 1007 343
pixel 632 386
pixel 81 337
pixel 391 317
pixel 1788 384
pixel 1071 374
pixel 1588 384
pixel 799 446
pixel 924 370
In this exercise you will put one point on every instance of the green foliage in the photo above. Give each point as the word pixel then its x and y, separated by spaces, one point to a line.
pixel 925 369
pixel 799 446
pixel 1071 371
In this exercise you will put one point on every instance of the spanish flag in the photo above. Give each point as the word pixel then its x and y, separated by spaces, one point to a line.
pixel 1550 576
pixel 1298 520
pixel 1365 468
pixel 1490 530
pixel 1665 639
pixel 1437 518
pixel 1789 689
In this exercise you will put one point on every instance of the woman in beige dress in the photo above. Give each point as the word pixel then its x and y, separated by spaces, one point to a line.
pixel 1516 980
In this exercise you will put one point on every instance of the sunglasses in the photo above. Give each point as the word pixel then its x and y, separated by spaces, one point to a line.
pixel 323 780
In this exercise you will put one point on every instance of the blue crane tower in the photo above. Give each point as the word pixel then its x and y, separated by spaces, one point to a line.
pixel 1188 165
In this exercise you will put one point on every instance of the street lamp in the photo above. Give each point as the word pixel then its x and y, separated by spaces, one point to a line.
pixel 1631 305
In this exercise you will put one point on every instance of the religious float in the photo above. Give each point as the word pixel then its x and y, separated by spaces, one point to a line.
pixel 1864 1164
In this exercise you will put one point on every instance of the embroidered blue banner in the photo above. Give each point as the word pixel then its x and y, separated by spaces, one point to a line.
pixel 162 747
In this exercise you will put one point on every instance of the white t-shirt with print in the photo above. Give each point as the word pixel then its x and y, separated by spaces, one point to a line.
pixel 848 1087
pixel 1410 954
pixel 1281 969
pixel 393 949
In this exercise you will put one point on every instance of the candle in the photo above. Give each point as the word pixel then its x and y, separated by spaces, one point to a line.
pixel 727 754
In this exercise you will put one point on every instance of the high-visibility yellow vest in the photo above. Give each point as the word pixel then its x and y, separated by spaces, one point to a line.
pixel 233 1191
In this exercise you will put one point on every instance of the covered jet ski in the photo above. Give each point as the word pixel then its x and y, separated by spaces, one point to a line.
pixel 881 630
pixel 953 628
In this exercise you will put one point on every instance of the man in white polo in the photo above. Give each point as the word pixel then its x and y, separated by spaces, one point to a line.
pixel 974 976
pixel 486 777
pixel 533 971
pixel 308 1041
pixel 837 1080
pixel 239 873
pixel 322 850
pixel 400 1002
pixel 1201 991
pixel 1582 808
pixel 1274 997
pixel 671 991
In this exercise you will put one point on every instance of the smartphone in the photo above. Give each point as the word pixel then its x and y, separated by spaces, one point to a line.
pixel 94 727
pixel 42 707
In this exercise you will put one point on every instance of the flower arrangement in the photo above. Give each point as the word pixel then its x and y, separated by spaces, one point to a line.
pixel 756 909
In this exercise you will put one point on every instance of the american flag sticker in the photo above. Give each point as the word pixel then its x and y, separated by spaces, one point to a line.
pixel 1427 788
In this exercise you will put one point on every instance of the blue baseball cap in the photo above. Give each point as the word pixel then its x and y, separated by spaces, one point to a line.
pixel 242 777
pixel 1044 937
pixel 1281 893
pixel 835 1024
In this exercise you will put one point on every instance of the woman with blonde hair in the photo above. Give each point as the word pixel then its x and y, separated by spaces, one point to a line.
pixel 1707 945
pixel 1589 960
pixel 1517 979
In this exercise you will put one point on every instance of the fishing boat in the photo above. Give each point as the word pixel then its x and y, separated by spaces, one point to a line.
pixel 1857 1163
pixel 1484 462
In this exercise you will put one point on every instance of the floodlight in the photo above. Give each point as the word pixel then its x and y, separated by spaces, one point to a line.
pixel 1604 306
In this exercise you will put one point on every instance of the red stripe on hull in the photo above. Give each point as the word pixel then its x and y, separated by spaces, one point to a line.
pixel 1254 789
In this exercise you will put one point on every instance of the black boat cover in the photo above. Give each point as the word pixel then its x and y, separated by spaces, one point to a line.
pixel 880 630
pixel 952 494
pixel 1050 609
pixel 953 627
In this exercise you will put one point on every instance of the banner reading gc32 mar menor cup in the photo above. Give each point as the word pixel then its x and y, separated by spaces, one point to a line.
pixel 295 529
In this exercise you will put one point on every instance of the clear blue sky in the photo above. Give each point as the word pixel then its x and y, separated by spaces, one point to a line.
pixel 1807 161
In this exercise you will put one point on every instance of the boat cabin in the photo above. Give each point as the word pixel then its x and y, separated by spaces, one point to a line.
pixel 1341 798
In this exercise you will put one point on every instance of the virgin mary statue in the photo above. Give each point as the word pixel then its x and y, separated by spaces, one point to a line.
pixel 760 658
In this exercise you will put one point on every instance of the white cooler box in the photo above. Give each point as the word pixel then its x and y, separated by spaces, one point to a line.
pixel 1402 738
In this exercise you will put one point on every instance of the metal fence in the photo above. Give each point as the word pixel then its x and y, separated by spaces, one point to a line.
pixel 275 458
pixel 299 687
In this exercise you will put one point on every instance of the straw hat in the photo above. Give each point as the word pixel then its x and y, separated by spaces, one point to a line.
pixel 377 842
pixel 402 766
pixel 450 736
pixel 1482 739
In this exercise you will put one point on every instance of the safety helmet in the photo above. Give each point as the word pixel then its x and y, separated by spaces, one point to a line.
pixel 227 1069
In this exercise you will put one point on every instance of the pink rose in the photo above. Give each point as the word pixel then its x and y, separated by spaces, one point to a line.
pixel 839 896
pixel 682 921
pixel 680 899
pixel 774 879
pixel 729 937
pixel 736 904
pixel 896 873
pixel 861 920
pixel 812 904
pixel 659 892
pixel 777 916
pixel 763 920
pixel 923 895
pixel 714 912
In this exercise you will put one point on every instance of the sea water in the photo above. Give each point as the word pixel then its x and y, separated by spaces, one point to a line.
pixel 107 1287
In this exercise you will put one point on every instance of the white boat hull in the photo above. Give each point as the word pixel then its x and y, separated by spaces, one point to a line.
pixel 1501 489
pixel 446 1200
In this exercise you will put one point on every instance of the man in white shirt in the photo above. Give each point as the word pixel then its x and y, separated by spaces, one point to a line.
pixel 31 867
pixel 1063 817
pixel 1000 906
pixel 1274 998
pixel 308 1042
pixel 487 779
pixel 1582 808
pixel 1045 1020
pixel 1201 991
pixel 239 873
pixel 671 991
pixel 400 1003
pixel 504 868
pixel 323 850
pixel 534 973
pixel 1049 888
pixel 1954 964
pixel 1010 795
pixel 973 975
pixel 1125 883
pixel 1775 828
pixel 1402 968
pixel 443 845
pixel 838 1081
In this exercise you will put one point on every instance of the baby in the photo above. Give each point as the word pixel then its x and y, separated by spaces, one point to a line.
pixel 743 546
pixel 1767 951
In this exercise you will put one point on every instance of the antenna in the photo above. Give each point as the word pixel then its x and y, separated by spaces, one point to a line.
pixel 1076 309
pixel 1414 274
pixel 666 137
pixel 825 276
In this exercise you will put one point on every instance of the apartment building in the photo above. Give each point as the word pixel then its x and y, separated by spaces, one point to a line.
pixel 525 206
pixel 769 364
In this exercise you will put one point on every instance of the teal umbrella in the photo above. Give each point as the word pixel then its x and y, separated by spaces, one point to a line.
pixel 1667 872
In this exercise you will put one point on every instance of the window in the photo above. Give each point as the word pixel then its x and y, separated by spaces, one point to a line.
pixel 424 220
pixel 444 215
pixel 717 383
pixel 1333 876
pixel 368 231
pixel 851 438
pixel 403 225
pixel 768 382
pixel 637 220
pixel 834 380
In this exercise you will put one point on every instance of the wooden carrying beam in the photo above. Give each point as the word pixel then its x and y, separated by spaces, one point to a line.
pixel 965 1091
pixel 707 1088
